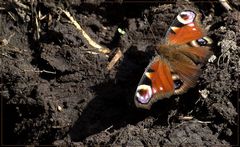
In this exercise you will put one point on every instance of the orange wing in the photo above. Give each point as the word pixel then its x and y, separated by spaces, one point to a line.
pixel 156 83
pixel 184 29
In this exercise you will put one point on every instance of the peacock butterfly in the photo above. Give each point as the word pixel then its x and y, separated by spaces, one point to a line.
pixel 177 66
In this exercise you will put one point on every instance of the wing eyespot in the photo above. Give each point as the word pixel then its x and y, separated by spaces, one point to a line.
pixel 177 82
pixel 204 41
pixel 143 93
pixel 186 17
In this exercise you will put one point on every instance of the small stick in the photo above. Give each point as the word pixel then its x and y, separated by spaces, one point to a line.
pixel 41 71
pixel 37 27
pixel 225 4
pixel 10 14
pixel 106 130
pixel 203 122
pixel 59 127
pixel 85 35
pixel 21 5
pixel 114 60
pixel 186 118
pixel 193 121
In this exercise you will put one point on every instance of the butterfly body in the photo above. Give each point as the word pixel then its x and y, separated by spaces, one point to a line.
pixel 176 68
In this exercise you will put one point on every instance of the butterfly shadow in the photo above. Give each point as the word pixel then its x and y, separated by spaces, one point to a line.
pixel 113 106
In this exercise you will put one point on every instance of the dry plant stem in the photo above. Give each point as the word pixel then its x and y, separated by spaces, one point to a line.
pixel 10 14
pixel 40 71
pixel 203 122
pixel 37 28
pixel 85 35
pixel 185 117
pixel 106 130
pixel 114 60
pixel 192 121
pixel 225 4
pixel 21 5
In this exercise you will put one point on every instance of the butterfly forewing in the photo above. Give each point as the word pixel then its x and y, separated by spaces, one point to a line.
pixel 184 29
pixel 184 35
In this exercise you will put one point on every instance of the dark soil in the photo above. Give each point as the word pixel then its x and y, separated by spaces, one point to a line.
pixel 53 91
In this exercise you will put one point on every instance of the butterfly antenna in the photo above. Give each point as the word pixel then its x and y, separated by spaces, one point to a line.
pixel 150 28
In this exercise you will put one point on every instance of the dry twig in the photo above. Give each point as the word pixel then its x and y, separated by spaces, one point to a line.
pixel 225 4
pixel 114 60
pixel 40 71
pixel 85 35
pixel 185 118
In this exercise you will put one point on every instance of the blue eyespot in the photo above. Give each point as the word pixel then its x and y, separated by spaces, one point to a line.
pixel 177 84
pixel 202 42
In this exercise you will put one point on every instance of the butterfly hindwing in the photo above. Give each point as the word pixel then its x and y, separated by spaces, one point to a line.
pixel 156 83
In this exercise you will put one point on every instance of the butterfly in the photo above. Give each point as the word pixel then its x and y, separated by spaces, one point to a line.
pixel 176 68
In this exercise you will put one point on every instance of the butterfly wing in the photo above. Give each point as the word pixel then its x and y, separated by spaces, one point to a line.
pixel 184 29
pixel 156 83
